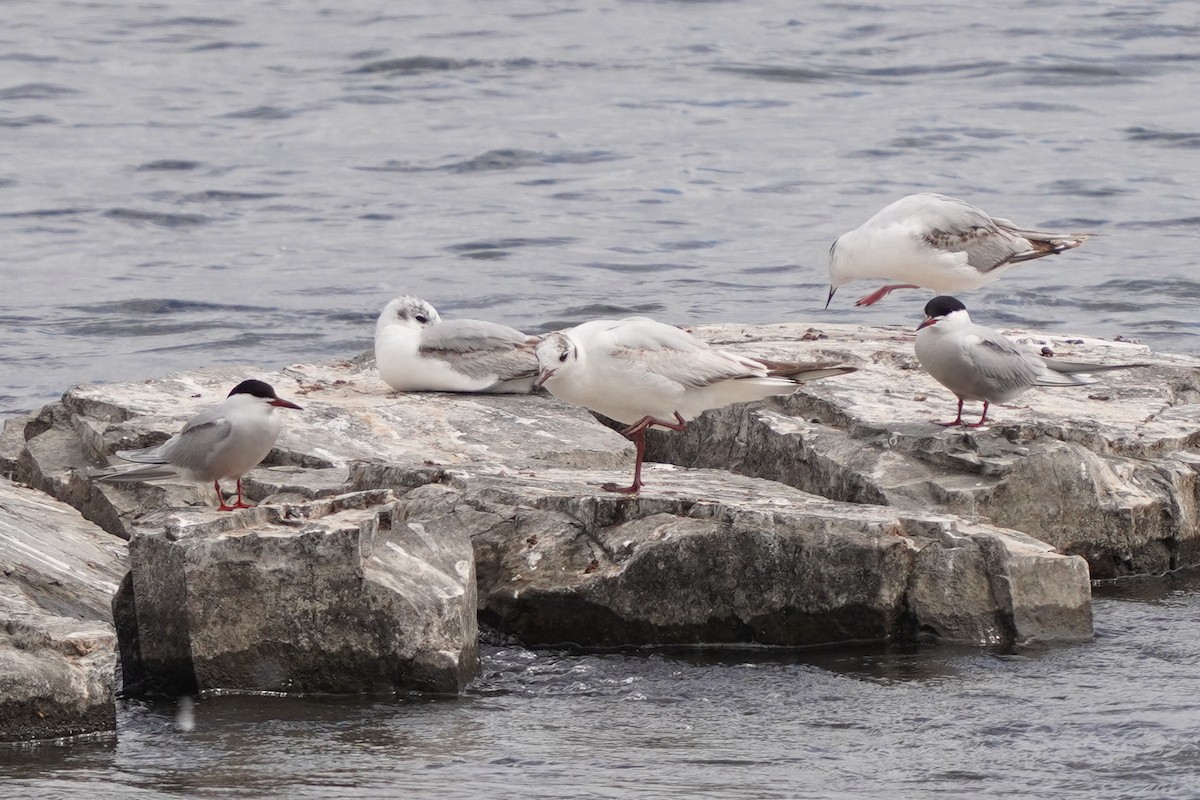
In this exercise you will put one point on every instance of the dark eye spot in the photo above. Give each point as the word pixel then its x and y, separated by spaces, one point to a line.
pixel 421 318
pixel 563 357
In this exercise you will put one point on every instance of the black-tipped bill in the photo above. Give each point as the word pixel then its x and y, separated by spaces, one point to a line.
pixel 542 377
pixel 925 323
pixel 279 402
pixel 829 299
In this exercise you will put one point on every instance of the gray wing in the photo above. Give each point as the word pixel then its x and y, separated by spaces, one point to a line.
pixel 958 227
pixel 468 335
pixel 690 368
pixel 1003 366
pixel 513 363
pixel 988 242
pixel 191 447
pixel 675 355
pixel 481 349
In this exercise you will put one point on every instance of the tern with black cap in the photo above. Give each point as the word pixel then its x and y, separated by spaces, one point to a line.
pixel 978 363
pixel 224 441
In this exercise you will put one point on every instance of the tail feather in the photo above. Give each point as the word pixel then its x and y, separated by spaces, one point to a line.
pixel 1074 367
pixel 147 473
pixel 146 455
pixel 1046 243
pixel 805 371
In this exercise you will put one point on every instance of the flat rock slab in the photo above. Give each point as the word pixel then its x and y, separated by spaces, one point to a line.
pixel 705 557
pixel 1107 471
pixel 57 642
pixel 349 415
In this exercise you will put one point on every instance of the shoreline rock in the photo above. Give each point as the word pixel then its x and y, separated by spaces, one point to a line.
pixel 837 515
pixel 57 644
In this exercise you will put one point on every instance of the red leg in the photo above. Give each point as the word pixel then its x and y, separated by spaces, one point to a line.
pixel 957 419
pixel 639 441
pixel 240 502
pixel 982 420
pixel 645 422
pixel 637 433
pixel 877 295
pixel 221 498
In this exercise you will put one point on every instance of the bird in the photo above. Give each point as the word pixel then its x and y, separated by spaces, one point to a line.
pixel 978 363
pixel 226 440
pixel 645 373
pixel 936 242
pixel 417 351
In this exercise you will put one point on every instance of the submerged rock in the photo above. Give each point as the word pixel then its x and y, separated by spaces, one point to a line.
pixel 57 644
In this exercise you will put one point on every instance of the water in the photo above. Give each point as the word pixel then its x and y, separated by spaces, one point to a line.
pixel 191 183
pixel 1117 717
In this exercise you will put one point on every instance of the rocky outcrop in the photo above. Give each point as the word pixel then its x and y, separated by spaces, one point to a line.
pixel 851 517
pixel 57 645
pixel 1106 471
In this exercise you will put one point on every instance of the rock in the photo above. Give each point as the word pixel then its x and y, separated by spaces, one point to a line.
pixel 897 550
pixel 57 643
pixel 349 414
pixel 336 596
pixel 1112 480
pixel 706 557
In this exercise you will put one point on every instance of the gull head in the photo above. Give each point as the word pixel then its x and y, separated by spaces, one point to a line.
pixel 946 311
pixel 556 353
pixel 409 312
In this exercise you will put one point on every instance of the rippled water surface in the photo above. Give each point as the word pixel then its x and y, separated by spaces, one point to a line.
pixel 191 182
pixel 1117 717
pixel 188 183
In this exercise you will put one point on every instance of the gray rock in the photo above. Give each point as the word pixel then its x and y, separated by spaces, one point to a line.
pixel 57 643
pixel 699 557
pixel 706 557
pixel 340 595
pixel 1106 471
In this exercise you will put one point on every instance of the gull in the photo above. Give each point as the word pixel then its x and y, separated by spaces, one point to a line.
pixel 937 242
pixel 978 363
pixel 417 351
pixel 226 440
pixel 645 373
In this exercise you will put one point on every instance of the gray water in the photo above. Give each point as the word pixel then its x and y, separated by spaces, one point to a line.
pixel 191 183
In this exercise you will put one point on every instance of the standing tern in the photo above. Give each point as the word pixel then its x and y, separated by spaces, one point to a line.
pixel 417 351
pixel 978 363
pixel 644 373
pixel 936 242
pixel 226 440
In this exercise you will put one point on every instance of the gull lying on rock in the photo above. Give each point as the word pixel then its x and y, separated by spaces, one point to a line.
pixel 936 242
pixel 978 363
pixel 224 441
pixel 643 373
pixel 417 351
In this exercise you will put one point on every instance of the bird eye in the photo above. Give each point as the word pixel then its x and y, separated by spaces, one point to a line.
pixel 563 357
pixel 421 318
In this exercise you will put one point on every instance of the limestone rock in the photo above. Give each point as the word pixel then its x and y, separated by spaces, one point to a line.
pixel 349 415
pixel 705 557
pixel 1107 471
pixel 340 595
pixel 900 551
pixel 57 643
